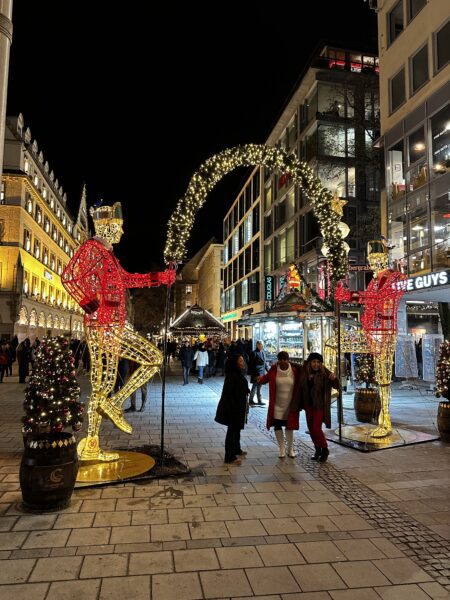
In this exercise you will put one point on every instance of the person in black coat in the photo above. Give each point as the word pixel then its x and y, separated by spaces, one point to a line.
pixel 220 358
pixel 257 367
pixel 186 356
pixel 232 408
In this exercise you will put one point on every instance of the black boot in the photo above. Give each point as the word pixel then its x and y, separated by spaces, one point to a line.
pixel 317 454
pixel 324 455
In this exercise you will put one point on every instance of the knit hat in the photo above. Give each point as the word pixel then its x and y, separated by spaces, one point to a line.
pixel 314 356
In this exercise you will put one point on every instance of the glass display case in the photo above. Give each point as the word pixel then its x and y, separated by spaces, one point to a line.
pixel 291 338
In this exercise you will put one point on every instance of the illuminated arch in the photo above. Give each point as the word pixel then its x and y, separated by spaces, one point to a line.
pixel 56 322
pixel 252 155
pixel 41 319
pixel 49 321
pixel 62 323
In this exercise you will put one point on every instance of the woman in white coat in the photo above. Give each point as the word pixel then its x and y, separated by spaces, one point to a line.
pixel 202 360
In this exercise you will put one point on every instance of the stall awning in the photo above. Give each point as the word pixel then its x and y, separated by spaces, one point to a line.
pixel 196 320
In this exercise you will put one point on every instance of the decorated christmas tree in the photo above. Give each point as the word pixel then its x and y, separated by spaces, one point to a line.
pixel 52 395
pixel 443 372
pixel 365 370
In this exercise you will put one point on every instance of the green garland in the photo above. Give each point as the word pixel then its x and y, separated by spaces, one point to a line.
pixel 252 155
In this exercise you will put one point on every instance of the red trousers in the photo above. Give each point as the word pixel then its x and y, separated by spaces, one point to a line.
pixel 314 420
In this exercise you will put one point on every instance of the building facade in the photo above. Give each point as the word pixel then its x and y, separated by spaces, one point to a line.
pixel 330 122
pixel 210 279
pixel 38 237
pixel 242 280
pixel 414 47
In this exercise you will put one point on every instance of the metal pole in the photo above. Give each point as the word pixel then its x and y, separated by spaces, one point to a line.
pixel 339 403
pixel 163 374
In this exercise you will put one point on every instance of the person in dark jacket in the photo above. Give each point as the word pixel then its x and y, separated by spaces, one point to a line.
pixel 186 356
pixel 315 397
pixel 232 408
pixel 220 358
pixel 257 367
pixel 23 359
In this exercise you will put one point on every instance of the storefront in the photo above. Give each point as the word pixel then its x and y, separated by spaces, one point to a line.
pixel 291 325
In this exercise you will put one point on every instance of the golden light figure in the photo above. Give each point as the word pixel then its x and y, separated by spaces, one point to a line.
pixel 96 280
pixel 379 321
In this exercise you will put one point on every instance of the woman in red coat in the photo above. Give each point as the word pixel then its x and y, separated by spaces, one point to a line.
pixel 283 409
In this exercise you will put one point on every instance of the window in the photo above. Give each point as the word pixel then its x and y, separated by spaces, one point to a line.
pixel 395 172
pixel 419 69
pixel 46 225
pixel 255 185
pixel 189 289
pixel 440 227
pixel 336 140
pixel 244 292
pixel 443 46
pixel 248 197
pixel 26 240
pixel 397 90
pixel 253 287
pixel 248 228
pixel 2 193
pixel 255 254
pixel 52 262
pixel 38 215
pixel 440 139
pixel 395 21
pixel 188 304
pixel 45 256
pixel 268 197
pixel 255 219
pixel 30 206
pixel 419 230
pixel 414 7
pixel 54 233
pixel 248 260
pixel 416 146
pixel 37 248
pixel 26 165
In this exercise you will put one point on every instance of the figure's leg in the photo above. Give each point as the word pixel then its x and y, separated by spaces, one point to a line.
pixel 383 372
pixel 138 349
pixel 103 362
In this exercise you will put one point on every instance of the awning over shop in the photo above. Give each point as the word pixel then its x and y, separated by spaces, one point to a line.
pixel 196 320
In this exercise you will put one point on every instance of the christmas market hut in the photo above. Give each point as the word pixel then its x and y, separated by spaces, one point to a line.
pixel 196 322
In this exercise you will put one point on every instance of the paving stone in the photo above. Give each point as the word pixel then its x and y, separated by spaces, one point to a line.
pixel 148 563
pixel 74 590
pixel 402 592
pixel 16 570
pixel 94 536
pixel 239 557
pixel 281 526
pixel 12 540
pixel 249 527
pixel 35 522
pixel 174 531
pixel 317 577
pixel 195 560
pixel 57 569
pixel 274 555
pixel 272 580
pixel 119 518
pixel 320 552
pixel 75 521
pixel 355 594
pixel 118 588
pixel 258 511
pixel 30 591
pixel 401 570
pixel 104 565
pixel 221 584
pixel 359 549
pixel 176 585
pixel 358 574
pixel 47 539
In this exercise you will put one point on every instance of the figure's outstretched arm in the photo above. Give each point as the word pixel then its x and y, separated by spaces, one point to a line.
pixel 138 280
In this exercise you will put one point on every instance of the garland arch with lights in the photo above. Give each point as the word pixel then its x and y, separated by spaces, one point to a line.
pixel 253 155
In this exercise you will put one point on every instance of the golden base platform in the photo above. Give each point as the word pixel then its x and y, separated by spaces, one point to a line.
pixel 359 437
pixel 129 465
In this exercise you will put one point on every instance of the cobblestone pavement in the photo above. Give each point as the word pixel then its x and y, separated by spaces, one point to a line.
pixel 362 526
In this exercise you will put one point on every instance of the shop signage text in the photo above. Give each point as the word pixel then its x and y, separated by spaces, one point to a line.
pixel 247 311
pixel 229 316
pixel 269 283
pixel 48 275
pixel 421 282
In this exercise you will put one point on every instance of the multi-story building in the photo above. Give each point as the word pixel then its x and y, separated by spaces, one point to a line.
pixel 187 285
pixel 210 279
pixel 331 122
pixel 242 279
pixel 38 237
pixel 414 48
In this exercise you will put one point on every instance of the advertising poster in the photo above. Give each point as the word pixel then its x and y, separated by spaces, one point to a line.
pixel 431 343
pixel 405 357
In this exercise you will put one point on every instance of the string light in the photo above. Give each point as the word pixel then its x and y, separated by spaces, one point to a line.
pixel 443 371
pixel 275 159
pixel 52 395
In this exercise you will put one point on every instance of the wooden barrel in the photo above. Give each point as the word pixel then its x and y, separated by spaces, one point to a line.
pixel 443 421
pixel 48 470
pixel 367 405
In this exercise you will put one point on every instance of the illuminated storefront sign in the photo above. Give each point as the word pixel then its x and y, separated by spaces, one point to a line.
pixel 48 275
pixel 229 316
pixel 420 282
pixel 269 288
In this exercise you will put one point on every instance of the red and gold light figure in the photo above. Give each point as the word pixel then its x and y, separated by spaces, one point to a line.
pixel 379 320
pixel 96 280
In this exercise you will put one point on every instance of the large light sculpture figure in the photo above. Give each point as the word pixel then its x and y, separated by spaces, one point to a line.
pixel 96 280
pixel 379 320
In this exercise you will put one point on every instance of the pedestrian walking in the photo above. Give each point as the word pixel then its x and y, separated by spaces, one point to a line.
pixel 283 378
pixel 232 408
pixel 23 358
pixel 257 367
pixel 186 356
pixel 316 382
pixel 202 361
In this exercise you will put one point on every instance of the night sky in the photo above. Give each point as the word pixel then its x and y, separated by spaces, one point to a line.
pixel 132 104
